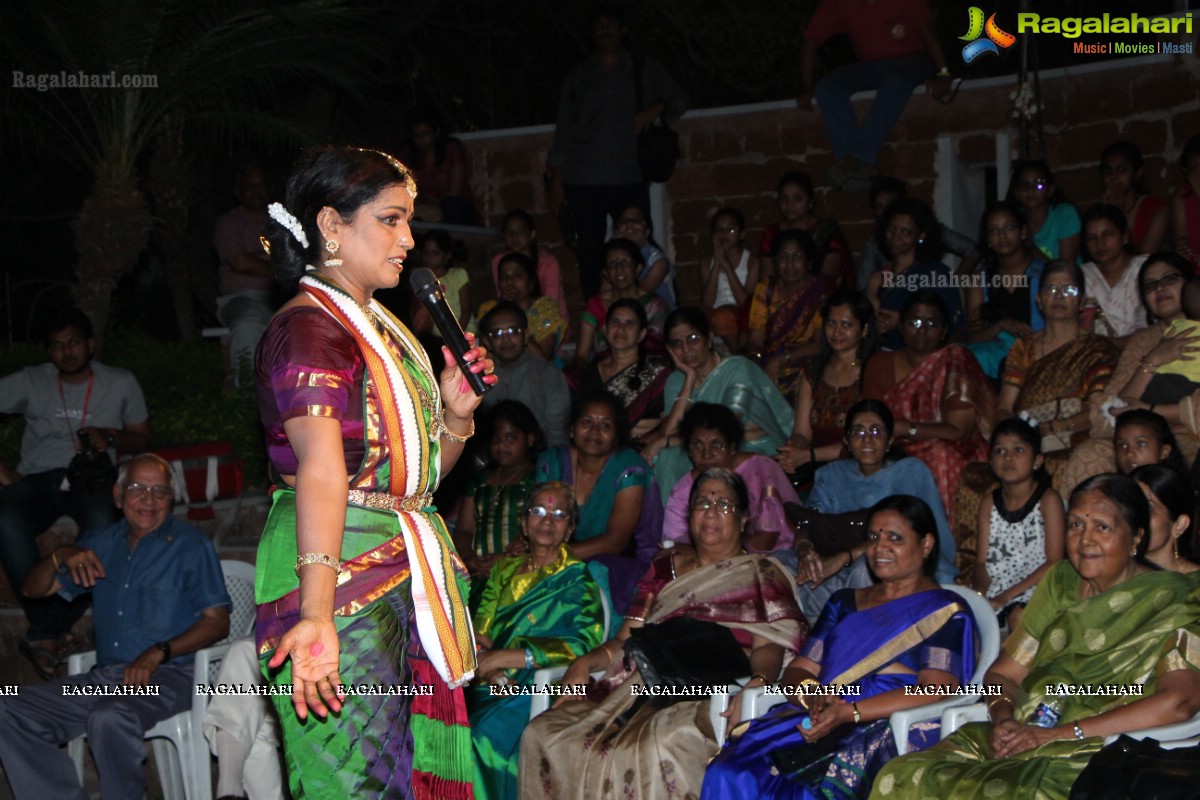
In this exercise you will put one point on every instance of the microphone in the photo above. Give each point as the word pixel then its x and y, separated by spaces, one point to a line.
pixel 428 290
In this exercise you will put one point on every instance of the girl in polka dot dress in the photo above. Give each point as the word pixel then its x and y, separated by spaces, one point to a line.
pixel 1020 525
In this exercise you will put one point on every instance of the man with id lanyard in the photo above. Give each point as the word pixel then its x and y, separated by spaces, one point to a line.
pixel 72 407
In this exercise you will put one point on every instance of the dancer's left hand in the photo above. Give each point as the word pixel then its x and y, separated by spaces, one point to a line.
pixel 457 396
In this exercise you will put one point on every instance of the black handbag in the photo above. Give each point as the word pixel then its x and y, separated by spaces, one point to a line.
pixel 829 533
pixel 658 145
pixel 1140 769
pixel 682 653
pixel 91 470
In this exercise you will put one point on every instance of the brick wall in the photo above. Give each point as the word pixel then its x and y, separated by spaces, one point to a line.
pixel 734 156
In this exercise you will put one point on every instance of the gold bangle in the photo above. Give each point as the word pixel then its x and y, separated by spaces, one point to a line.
pixel 762 678
pixel 438 429
pixel 1001 699
pixel 604 647
pixel 318 558
pixel 54 561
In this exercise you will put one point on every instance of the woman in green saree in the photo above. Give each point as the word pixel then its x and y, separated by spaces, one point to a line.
pixel 702 375
pixel 541 609
pixel 1103 620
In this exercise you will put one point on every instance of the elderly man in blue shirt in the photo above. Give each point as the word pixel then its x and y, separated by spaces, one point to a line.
pixel 158 596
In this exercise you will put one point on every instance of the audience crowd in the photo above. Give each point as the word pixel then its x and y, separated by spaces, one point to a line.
pixel 796 461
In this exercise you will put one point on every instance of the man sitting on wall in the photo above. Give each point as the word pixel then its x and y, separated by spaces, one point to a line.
pixel 159 596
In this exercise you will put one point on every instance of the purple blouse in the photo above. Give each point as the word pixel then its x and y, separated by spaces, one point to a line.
pixel 307 364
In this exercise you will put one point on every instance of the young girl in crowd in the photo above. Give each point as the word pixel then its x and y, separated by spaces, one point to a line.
pixel 658 273
pixel 728 277
pixel 1053 221
pixel 1112 274
pixel 489 513
pixel 796 202
pixel 440 253
pixel 1185 205
pixel 1121 172
pixel 1143 437
pixel 520 236
pixel 1021 525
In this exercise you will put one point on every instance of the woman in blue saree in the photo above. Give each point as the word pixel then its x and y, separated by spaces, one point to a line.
pixel 901 632
pixel 537 610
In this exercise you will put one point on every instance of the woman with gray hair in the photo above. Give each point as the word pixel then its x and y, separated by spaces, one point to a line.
pixel 648 752
pixel 539 609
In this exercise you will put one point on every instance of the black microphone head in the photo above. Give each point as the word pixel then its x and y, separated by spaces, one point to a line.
pixel 423 280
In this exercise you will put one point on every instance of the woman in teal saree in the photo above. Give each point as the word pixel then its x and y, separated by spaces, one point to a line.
pixel 1101 618
pixel 703 376
pixel 538 610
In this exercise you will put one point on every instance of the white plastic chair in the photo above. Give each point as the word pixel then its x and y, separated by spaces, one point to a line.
pixel 547 676
pixel 1180 734
pixel 184 768
pixel 756 702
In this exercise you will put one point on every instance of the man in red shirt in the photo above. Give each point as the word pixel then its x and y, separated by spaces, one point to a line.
pixel 897 51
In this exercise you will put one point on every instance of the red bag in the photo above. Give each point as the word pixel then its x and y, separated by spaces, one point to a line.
pixel 204 473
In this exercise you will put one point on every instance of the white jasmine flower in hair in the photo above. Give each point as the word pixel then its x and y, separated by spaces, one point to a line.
pixel 287 220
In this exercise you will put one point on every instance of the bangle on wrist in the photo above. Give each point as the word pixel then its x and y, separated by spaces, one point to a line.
pixel 318 558
pixel 760 677
pixel 857 716
pixel 438 429
pixel 849 559
pixel 529 662
pixel 1078 731
pixel 1001 699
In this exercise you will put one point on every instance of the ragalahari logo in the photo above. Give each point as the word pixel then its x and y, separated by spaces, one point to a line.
pixel 996 40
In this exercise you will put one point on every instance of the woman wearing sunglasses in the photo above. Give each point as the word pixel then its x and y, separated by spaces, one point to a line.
pixel 1135 381
pixel 936 390
pixel 1051 375
pixel 539 609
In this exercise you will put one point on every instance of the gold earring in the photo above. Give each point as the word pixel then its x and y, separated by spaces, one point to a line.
pixel 332 246
pixel 1176 547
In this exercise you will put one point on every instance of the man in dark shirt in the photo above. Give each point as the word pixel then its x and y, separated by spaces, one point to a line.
pixel 593 159
pixel 159 596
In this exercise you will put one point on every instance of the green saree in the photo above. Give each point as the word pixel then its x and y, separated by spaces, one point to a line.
pixel 555 613
pixel 1131 634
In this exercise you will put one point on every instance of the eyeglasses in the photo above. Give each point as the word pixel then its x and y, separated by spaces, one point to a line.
pixel 1002 230
pixel 1062 290
pixel 723 506
pixel 618 263
pixel 715 446
pixel 137 491
pixel 1037 186
pixel 631 221
pixel 541 512
pixel 500 333
pixel 859 432
pixel 691 340
pixel 732 230
pixel 918 323
pixel 1166 281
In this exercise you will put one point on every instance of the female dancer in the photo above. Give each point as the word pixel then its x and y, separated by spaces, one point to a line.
pixel 357 582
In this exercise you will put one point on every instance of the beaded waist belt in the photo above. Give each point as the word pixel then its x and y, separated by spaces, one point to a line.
pixel 389 502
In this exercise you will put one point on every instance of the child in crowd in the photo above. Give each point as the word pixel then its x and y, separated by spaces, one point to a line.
pixel 657 274
pixel 728 277
pixel 520 236
pixel 796 201
pixel 489 513
pixel 1053 221
pixel 1021 525
pixel 1143 437
pixel 439 253
pixel 1185 204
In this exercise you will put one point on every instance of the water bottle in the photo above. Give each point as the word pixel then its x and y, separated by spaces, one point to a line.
pixel 1047 714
